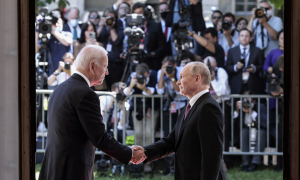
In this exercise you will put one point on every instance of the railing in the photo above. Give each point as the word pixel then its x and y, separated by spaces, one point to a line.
pixel 153 120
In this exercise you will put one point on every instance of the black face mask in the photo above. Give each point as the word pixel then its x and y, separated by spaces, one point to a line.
pixel 164 14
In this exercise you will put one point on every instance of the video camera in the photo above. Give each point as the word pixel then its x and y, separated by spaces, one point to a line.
pixel 180 30
pixel 44 21
pixel 135 34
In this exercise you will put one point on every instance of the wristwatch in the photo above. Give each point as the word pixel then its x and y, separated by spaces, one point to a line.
pixel 173 79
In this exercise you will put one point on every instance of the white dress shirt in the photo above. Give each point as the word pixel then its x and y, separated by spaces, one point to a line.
pixel 221 86
pixel 163 26
pixel 84 77
pixel 197 96
pixel 247 52
pixel 222 40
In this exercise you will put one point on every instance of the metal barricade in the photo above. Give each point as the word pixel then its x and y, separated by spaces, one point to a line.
pixel 179 97
pixel 42 93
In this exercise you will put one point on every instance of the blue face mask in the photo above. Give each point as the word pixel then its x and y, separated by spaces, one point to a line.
pixel 74 22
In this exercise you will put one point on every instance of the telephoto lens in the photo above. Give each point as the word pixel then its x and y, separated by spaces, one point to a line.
pixel 67 65
pixel 260 12
pixel 226 25
pixel 169 69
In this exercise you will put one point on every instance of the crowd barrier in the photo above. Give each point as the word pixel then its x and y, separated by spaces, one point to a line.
pixel 230 99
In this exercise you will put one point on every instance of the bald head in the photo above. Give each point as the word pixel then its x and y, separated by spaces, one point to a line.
pixel 201 69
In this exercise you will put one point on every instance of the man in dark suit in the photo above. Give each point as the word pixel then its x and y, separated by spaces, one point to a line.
pixel 197 137
pixel 244 63
pixel 154 38
pixel 75 125
pixel 164 10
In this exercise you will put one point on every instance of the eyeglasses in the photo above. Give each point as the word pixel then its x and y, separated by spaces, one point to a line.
pixel 216 17
pixel 94 16
pixel 126 8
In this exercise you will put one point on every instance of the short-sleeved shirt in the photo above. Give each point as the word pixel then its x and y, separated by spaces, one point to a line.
pixel 222 40
pixel 218 55
pixel 270 44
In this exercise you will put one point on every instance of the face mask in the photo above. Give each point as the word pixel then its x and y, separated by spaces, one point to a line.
pixel 269 13
pixel 147 80
pixel 74 22
pixel 164 14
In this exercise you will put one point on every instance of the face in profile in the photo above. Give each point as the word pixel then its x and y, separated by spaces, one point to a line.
pixel 99 72
pixel 186 81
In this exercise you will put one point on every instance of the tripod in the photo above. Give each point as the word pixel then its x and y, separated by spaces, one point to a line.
pixel 40 75
pixel 130 64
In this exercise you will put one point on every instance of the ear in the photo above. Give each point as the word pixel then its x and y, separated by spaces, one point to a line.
pixel 91 66
pixel 198 79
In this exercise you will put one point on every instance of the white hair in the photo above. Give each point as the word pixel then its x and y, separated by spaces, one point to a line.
pixel 88 54
pixel 202 69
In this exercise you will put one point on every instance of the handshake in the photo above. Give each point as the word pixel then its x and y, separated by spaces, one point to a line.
pixel 138 154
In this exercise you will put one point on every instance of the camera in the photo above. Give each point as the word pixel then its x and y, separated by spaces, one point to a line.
pixel 44 22
pixel 134 33
pixel 246 104
pixel 226 25
pixel 140 79
pixel 140 114
pixel 120 96
pixel 274 85
pixel 67 65
pixel 102 165
pixel 209 67
pixel 109 20
pixel 260 12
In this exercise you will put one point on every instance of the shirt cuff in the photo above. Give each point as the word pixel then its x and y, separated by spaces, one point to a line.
pixel 151 89
pixel 126 89
pixel 254 115
pixel 115 7
pixel 235 114
pixel 160 91
pixel 235 68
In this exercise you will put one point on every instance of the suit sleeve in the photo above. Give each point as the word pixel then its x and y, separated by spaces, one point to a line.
pixel 161 148
pixel 260 59
pixel 230 64
pixel 88 111
pixel 210 130
pixel 119 30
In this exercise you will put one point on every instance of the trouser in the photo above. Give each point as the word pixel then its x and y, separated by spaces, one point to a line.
pixel 149 129
pixel 246 146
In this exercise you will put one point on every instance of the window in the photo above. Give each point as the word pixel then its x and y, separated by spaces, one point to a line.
pixel 244 7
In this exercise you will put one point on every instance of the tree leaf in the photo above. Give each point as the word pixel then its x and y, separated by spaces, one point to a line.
pixel 277 3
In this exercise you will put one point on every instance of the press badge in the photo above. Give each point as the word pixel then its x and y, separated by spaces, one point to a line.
pixel 173 107
pixel 141 46
pixel 108 47
pixel 246 76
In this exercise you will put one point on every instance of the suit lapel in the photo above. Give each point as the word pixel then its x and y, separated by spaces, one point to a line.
pixel 180 120
pixel 250 61
pixel 185 121
pixel 238 53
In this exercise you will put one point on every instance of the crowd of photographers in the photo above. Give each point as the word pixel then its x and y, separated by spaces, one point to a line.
pixel 146 56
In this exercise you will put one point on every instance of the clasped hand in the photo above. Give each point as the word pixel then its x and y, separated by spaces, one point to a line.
pixel 138 154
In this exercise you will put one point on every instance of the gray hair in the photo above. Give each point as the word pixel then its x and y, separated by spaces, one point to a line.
pixel 202 69
pixel 88 54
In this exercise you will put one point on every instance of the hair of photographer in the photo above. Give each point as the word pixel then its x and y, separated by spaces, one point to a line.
pixel 141 69
pixel 138 5
pixel 229 14
pixel 213 32
pixel 68 55
pixel 280 62
pixel 112 11
pixel 94 17
pixel 169 58
pixel 237 23
pixel 84 28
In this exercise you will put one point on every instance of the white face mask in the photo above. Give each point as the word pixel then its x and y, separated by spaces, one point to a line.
pixel 74 22
pixel 147 80
pixel 269 13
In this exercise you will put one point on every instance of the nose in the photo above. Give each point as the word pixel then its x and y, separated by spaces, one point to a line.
pixel 178 82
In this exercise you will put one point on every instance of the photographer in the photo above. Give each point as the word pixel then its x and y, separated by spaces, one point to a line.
pixel 142 81
pixel 58 43
pixel 64 70
pixel 250 130
pixel 228 36
pixel 210 43
pixel 265 27
pixel 154 38
pixel 216 18
pixel 111 35
pixel 72 25
pixel 94 17
pixel 244 64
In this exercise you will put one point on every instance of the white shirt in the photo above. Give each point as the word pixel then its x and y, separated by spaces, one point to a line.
pixel 248 118
pixel 197 96
pixel 77 28
pixel 221 86
pixel 60 78
pixel 247 52
pixel 84 77
pixel 276 23
pixel 222 40
pixel 163 26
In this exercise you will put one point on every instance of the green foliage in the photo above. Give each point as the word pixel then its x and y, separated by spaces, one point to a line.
pixel 43 3
pixel 277 3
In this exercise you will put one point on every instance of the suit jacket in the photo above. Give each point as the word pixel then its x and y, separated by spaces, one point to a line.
pixel 154 42
pixel 255 83
pixel 167 47
pixel 197 142
pixel 75 128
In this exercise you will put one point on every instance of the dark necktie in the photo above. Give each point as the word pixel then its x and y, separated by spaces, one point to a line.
pixel 75 34
pixel 187 110
pixel 166 33
pixel 244 53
